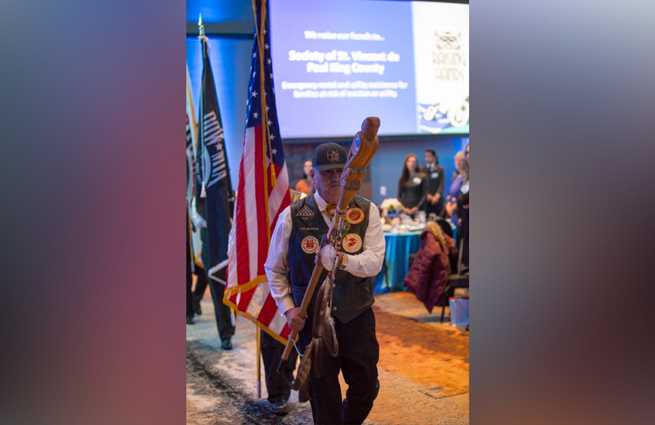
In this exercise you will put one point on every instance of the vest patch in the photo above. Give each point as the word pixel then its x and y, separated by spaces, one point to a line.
pixel 332 156
pixel 309 245
pixel 354 215
pixel 330 209
pixel 353 294
pixel 352 242
pixel 305 212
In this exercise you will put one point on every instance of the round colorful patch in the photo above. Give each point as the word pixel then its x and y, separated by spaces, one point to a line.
pixel 352 242
pixel 355 215
pixel 330 209
pixel 309 244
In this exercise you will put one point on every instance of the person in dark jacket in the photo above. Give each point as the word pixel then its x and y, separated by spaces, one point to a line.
pixel 189 279
pixel 435 201
pixel 412 186
pixel 463 213
pixel 428 276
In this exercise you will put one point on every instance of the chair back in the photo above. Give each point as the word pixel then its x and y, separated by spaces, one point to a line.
pixel 445 227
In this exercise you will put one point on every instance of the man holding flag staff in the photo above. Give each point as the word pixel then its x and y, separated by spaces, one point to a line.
pixel 291 257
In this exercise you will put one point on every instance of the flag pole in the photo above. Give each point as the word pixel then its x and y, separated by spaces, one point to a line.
pixel 201 35
pixel 259 371
pixel 259 43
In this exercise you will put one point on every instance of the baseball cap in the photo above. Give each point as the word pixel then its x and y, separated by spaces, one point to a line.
pixel 328 156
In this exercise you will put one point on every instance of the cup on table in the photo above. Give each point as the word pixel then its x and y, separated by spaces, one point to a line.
pixel 421 217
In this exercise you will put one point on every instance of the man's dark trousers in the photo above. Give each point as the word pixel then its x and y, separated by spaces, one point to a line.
pixel 277 384
pixel 189 282
pixel 438 208
pixel 199 290
pixel 223 313
pixel 358 357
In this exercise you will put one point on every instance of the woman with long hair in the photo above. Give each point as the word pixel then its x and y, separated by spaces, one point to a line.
pixel 412 186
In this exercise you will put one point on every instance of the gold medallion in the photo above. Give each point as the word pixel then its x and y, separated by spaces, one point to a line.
pixel 309 244
pixel 352 243
pixel 355 215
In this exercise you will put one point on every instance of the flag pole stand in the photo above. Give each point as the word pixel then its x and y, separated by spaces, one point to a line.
pixel 259 370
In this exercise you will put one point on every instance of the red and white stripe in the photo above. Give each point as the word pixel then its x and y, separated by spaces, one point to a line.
pixel 253 223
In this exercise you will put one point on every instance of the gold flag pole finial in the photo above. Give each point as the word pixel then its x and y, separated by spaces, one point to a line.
pixel 201 27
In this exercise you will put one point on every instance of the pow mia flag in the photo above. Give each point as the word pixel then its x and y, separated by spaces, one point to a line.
pixel 214 195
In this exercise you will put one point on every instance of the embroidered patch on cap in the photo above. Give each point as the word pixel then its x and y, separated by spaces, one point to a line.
pixel 352 242
pixel 332 156
pixel 355 215
pixel 305 212
pixel 309 244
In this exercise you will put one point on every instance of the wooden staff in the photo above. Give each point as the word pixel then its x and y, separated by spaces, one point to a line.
pixel 364 146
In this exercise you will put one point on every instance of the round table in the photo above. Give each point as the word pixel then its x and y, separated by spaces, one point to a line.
pixel 396 260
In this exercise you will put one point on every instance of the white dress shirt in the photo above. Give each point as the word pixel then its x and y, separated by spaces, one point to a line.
pixel 368 263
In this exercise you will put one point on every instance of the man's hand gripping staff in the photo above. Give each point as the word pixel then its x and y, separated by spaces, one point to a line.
pixel 364 146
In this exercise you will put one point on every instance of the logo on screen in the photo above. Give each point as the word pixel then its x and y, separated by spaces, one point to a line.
pixel 448 58
pixel 447 40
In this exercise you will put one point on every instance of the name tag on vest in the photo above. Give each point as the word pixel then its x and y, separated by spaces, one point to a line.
pixel 417 180
pixel 435 175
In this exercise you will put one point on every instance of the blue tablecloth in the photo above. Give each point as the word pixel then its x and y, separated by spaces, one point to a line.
pixel 396 260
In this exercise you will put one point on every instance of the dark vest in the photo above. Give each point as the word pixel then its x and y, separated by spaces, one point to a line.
pixel 351 295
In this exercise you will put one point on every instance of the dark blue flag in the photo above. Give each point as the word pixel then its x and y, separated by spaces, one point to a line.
pixel 214 195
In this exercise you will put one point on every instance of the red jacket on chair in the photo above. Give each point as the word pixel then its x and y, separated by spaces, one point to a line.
pixel 428 276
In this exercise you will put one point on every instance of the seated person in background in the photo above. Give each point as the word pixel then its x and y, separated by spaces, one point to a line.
pixel 305 185
pixel 459 177
pixel 412 186
pixel 435 202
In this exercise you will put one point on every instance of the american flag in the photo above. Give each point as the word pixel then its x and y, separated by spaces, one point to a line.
pixel 263 193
